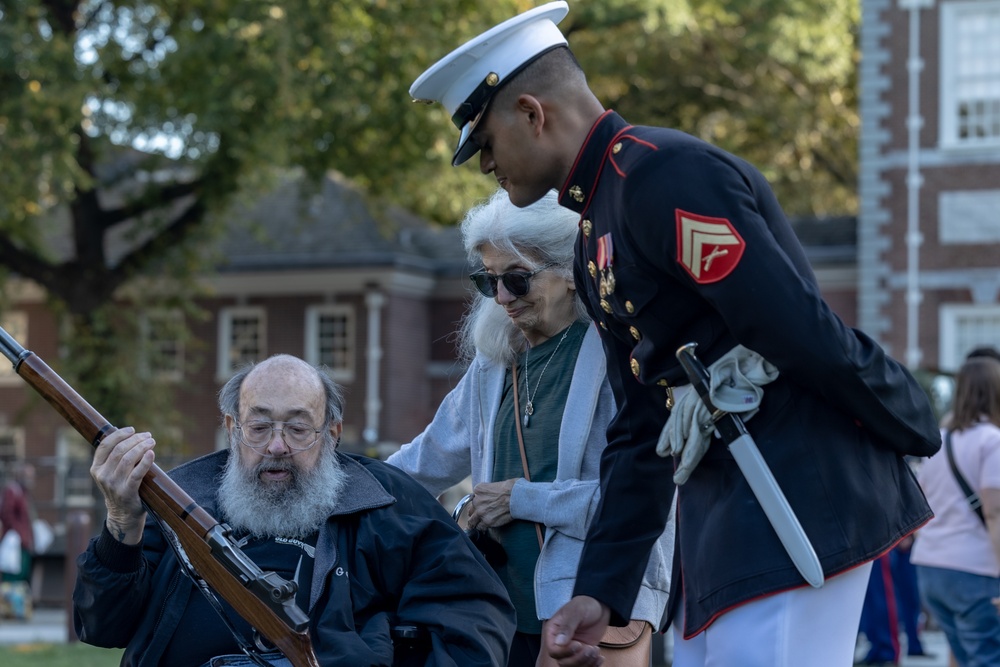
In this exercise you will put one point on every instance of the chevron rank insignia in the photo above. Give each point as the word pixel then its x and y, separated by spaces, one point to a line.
pixel 709 248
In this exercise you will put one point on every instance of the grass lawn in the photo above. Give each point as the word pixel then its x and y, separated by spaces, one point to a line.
pixel 76 654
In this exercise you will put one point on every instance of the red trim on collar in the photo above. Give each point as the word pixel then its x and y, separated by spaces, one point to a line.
pixel 583 146
pixel 604 161
pixel 633 139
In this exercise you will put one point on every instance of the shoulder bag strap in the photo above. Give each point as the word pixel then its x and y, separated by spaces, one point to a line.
pixel 520 442
pixel 971 496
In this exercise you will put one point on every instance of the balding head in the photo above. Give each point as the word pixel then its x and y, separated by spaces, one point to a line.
pixel 277 374
pixel 281 374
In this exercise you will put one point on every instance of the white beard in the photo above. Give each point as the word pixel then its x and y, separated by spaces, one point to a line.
pixel 294 508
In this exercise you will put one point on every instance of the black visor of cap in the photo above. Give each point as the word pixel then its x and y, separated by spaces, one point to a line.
pixel 480 96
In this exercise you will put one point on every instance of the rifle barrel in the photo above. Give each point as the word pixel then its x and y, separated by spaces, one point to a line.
pixel 11 348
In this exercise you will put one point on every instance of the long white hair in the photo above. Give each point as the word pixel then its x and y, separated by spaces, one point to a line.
pixel 538 234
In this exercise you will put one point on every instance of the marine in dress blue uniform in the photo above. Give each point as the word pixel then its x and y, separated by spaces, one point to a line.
pixel 682 242
pixel 703 252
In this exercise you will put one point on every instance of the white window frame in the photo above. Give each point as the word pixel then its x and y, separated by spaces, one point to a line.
pixel 14 322
pixel 955 342
pixel 343 372
pixel 12 447
pixel 149 322
pixel 225 366
pixel 71 447
pixel 951 14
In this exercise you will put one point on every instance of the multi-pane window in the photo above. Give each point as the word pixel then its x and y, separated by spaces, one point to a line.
pixel 330 339
pixel 970 73
pixel 74 486
pixel 162 345
pixel 241 338
pixel 14 322
pixel 11 448
pixel 965 327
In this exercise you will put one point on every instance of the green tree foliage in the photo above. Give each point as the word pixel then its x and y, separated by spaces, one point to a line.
pixel 773 81
pixel 125 126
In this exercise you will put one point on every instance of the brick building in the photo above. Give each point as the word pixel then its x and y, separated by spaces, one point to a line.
pixel 929 215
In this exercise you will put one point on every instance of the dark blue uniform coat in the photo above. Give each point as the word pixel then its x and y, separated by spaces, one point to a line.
pixel 389 554
pixel 700 251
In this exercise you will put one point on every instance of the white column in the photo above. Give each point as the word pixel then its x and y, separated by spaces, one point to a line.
pixel 914 180
pixel 373 397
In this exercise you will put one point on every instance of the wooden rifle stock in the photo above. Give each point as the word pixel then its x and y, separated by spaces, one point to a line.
pixel 214 557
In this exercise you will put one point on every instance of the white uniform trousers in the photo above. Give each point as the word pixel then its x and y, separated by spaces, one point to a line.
pixel 810 626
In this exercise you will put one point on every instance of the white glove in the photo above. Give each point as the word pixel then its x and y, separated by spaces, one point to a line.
pixel 681 435
pixel 736 380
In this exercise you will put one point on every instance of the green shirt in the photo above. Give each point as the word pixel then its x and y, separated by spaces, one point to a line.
pixel 548 372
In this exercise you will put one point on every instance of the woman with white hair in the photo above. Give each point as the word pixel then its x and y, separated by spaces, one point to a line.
pixel 528 420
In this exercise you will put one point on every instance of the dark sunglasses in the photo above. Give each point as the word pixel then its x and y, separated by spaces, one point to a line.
pixel 518 283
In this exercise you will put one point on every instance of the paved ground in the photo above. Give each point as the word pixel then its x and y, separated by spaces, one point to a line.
pixel 50 626
pixel 934 644
pixel 46 625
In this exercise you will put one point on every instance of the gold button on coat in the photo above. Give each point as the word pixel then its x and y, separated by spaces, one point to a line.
pixel 606 306
pixel 616 148
pixel 635 367
pixel 629 307
pixel 634 332
pixel 587 226
pixel 592 268
pixel 576 192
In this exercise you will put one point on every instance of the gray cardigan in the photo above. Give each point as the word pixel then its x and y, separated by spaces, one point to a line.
pixel 459 441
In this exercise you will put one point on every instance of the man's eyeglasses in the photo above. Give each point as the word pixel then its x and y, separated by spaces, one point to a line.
pixel 518 283
pixel 298 436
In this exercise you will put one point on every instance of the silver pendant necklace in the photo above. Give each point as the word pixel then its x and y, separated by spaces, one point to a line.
pixel 529 407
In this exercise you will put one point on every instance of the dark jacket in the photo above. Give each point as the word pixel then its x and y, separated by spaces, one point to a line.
pixel 389 554
pixel 701 252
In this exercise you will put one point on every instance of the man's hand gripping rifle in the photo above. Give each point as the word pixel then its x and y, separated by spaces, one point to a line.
pixel 264 599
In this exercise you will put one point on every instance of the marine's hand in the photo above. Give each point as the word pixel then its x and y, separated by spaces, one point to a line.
pixel 121 461
pixel 572 634
pixel 490 506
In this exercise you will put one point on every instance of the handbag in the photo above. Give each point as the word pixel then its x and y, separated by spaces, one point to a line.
pixel 971 496
pixel 520 444
pixel 630 646
pixel 10 553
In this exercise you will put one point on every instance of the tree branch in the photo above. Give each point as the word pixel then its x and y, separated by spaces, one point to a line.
pixel 156 247
pixel 152 198
pixel 27 264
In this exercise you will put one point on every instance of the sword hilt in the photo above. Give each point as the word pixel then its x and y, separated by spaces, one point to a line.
pixel 729 425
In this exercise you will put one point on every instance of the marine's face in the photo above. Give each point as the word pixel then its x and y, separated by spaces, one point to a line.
pixel 509 149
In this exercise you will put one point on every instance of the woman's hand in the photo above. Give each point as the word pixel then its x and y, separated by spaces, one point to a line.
pixel 490 506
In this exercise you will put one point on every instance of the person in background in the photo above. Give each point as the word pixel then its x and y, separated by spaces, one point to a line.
pixel 368 548
pixel 527 326
pixel 17 513
pixel 984 351
pixel 892 599
pixel 682 242
pixel 957 554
